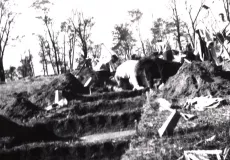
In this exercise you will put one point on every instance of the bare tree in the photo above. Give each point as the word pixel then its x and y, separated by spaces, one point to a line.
pixel 64 31
pixel 123 40
pixel 67 28
pixel 157 30
pixel 43 54
pixel 78 28
pixel 41 5
pixel 82 30
pixel 11 73
pixel 26 69
pixel 6 20
pixel 193 19
pixel 136 15
pixel 47 47
pixel 177 21
pixel 31 63
pixel 226 4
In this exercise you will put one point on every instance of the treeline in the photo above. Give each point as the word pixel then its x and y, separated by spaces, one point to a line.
pixel 59 49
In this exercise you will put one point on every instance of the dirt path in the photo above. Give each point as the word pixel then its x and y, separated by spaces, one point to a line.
pixel 107 136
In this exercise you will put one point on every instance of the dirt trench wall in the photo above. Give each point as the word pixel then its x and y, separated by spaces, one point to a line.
pixel 71 151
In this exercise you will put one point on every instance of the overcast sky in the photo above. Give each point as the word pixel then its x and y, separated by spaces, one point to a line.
pixel 106 14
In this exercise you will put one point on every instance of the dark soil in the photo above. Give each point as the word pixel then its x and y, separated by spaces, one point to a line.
pixel 21 109
pixel 97 113
pixel 100 106
pixel 94 123
pixel 107 106
pixel 109 96
pixel 197 79
pixel 71 151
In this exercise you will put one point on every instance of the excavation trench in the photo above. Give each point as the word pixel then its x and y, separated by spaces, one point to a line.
pixel 86 130
pixel 100 106
pixel 67 150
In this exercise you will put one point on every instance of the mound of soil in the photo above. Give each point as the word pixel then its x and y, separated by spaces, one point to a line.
pixel 21 108
pixel 197 79
pixel 70 86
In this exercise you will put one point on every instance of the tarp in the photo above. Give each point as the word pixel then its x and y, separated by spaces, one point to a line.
pixel 105 57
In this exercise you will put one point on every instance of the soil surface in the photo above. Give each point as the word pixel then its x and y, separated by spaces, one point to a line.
pixel 96 126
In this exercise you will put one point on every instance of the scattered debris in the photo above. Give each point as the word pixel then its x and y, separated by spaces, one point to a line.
pixel 49 108
pixel 170 124
pixel 225 154
pixel 161 86
pixel 202 154
pixel 164 104
pixel 188 117
pixel 211 139
pixel 88 82
pixel 203 102
pixel 186 60
pixel 57 103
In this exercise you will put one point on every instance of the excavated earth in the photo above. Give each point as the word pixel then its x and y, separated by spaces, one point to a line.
pixel 197 79
pixel 96 126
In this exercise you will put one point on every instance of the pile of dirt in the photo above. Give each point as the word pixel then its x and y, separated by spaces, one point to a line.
pixel 197 79
pixel 21 108
pixel 70 86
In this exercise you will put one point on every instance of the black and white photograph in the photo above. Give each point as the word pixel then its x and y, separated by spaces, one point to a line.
pixel 114 79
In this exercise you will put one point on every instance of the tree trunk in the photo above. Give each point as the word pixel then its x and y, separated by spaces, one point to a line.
pixel 178 32
pixel 51 61
pixel 43 67
pixel 64 56
pixel 2 72
pixel 59 60
pixel 55 49
pixel 70 54
pixel 142 43
pixel 73 51
pixel 44 60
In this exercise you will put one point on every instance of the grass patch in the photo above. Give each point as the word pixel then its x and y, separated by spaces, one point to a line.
pixel 188 135
pixel 29 86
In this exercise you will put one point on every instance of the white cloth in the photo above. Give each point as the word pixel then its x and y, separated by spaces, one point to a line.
pixel 202 103
pixel 127 71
